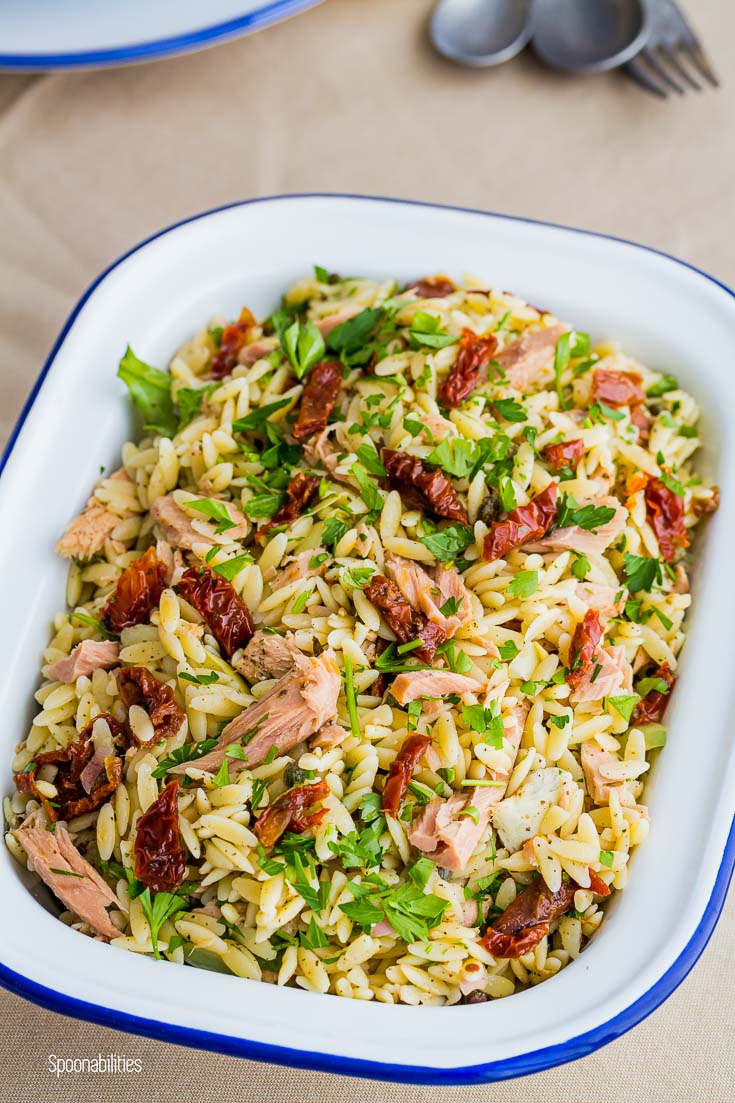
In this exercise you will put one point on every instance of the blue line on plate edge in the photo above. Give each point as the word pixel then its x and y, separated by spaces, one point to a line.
pixel 504 1069
pixel 163 47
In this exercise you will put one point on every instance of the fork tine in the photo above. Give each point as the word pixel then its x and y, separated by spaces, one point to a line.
pixel 662 73
pixel 673 60
pixel 640 75
pixel 700 61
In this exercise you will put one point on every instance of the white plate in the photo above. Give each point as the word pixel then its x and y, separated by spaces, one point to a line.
pixel 46 34
pixel 670 315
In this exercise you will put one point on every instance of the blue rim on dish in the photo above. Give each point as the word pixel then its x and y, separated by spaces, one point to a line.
pixel 264 16
pixel 521 1065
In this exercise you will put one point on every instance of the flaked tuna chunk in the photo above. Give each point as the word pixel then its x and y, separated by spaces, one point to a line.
pixel 319 451
pixel 307 564
pixel 87 533
pixel 519 817
pixel 69 876
pixel 581 540
pixel 413 684
pixel 435 427
pixel 256 350
pixel 443 832
pixel 300 703
pixel 449 831
pixel 84 659
pixel 595 763
pixel 178 528
pixel 331 735
pixel 326 325
pixel 609 601
pixel 610 673
pixel 524 359
pixel 429 591
pixel 267 655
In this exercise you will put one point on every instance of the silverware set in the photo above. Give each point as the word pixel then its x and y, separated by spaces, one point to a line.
pixel 650 39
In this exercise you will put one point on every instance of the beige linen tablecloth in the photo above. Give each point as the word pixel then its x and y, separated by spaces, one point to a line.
pixel 349 97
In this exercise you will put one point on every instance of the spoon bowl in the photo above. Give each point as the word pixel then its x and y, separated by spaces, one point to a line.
pixel 481 33
pixel 579 36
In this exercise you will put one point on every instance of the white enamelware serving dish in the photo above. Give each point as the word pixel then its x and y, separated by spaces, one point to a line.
pixel 46 34
pixel 671 316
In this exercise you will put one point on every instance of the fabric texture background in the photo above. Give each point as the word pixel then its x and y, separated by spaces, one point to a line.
pixel 349 97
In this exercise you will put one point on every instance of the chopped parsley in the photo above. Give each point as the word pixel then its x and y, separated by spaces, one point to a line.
pixel 160 906
pixel 509 409
pixel 150 390
pixel 641 572
pixel 624 705
pixel 455 455
pixel 368 456
pixel 303 345
pixel 411 912
pixel 350 339
pixel 449 542
pixel 653 685
pixel 486 721
pixel 589 517
pixel 334 530
pixel 256 419
pixel 665 384
pixel 232 567
pixel 213 510
pixel 351 697
pixel 199 679
pixel 451 606
pixel 190 752
pixel 581 566
pixel 523 584
pixel 426 332
pixel 561 361
pixel 263 505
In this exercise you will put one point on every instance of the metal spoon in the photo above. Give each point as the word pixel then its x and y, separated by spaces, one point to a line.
pixel 579 36
pixel 481 32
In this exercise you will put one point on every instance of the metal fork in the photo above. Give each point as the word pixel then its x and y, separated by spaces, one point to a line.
pixel 660 67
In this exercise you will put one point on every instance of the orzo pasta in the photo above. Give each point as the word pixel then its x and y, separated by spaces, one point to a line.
pixel 368 646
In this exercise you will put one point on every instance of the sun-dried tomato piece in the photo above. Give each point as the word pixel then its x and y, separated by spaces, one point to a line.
pixel 422 487
pixel 617 388
pixel 234 337
pixel 160 862
pixel 290 812
pixel 522 524
pixel 566 453
pixel 137 593
pixel 473 355
pixel 217 601
pixel 403 619
pixel 300 491
pixel 432 287
pixel 113 768
pixel 665 511
pixel 138 687
pixel 84 778
pixel 401 770
pixel 526 921
pixel 318 398
pixel 587 636
pixel 597 885
pixel 702 506
pixel 651 708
